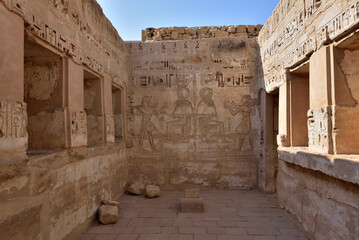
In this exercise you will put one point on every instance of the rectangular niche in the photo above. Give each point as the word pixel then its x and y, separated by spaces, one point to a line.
pixel 299 105
pixel 93 106
pixel 117 108
pixel 43 86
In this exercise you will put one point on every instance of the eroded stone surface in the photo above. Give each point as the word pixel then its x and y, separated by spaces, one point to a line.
pixel 136 188
pixel 152 191
pixel 108 214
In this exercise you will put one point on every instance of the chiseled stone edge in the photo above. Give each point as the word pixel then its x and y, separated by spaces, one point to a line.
pixel 344 167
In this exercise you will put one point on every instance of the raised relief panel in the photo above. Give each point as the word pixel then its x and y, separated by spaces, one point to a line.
pixel 13 119
pixel 319 130
pixel 110 128
pixel 302 51
pixel 339 25
pixel 78 128
pixel 13 133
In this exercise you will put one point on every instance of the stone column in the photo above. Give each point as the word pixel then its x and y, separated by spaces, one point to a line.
pixel 13 116
pixel 76 116
pixel 283 138
pixel 108 111
pixel 320 113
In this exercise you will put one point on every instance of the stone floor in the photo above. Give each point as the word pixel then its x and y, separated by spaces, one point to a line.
pixel 230 214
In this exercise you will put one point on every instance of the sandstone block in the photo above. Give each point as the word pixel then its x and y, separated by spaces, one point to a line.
pixel 221 34
pixel 157 38
pixel 191 193
pixel 108 214
pixel 192 205
pixel 174 35
pixel 251 28
pixel 179 29
pixel 241 29
pixel 191 31
pixel 152 191
pixel 232 29
pixel 202 30
pixel 259 27
pixel 187 37
pixel 136 188
pixel 168 30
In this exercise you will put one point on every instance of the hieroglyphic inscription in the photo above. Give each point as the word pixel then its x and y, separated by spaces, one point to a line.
pixel 341 23
pixel 78 123
pixel 13 119
pixel 319 127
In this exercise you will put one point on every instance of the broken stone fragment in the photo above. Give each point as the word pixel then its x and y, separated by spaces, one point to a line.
pixel 152 191
pixel 108 214
pixel 136 188
pixel 174 35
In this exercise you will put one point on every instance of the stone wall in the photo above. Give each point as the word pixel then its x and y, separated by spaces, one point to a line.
pixel 308 56
pixel 327 207
pixel 194 117
pixel 189 33
pixel 51 181
pixel 57 196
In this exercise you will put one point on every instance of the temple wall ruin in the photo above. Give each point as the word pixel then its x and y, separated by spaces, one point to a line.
pixel 83 113
pixel 194 113
pixel 61 151
pixel 308 56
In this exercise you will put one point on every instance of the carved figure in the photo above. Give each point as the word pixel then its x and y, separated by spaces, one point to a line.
pixel 207 115
pixel 147 127
pixel 243 128
pixel 183 113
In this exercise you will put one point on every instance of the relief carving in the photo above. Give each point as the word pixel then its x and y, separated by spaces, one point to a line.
pixel 13 119
pixel 148 126
pixel 78 123
pixel 319 127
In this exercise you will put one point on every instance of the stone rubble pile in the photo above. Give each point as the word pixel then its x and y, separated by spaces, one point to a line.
pixel 186 33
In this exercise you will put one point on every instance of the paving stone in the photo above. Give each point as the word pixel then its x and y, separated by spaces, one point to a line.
pixel 127 237
pixel 205 237
pixel 159 219
pixel 235 231
pixel 192 230
pixel 181 237
pixel 105 237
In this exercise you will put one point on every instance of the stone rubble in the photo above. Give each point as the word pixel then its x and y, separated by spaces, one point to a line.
pixel 189 33
pixel 153 191
pixel 136 188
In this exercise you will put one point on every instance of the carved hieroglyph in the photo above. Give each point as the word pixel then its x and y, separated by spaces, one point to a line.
pixel 13 119
pixel 319 128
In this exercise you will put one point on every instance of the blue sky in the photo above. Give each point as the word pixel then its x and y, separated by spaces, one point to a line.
pixel 131 16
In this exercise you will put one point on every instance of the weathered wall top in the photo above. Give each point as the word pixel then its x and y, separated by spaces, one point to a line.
pixel 186 33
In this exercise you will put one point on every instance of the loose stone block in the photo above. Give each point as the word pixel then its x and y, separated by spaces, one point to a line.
pixel 153 191
pixel 108 214
pixel 136 188
pixel 191 193
pixel 192 205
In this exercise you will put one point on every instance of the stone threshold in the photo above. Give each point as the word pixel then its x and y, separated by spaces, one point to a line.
pixel 344 167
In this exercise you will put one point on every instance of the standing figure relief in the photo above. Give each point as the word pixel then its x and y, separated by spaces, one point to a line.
pixel 148 110
pixel 183 112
